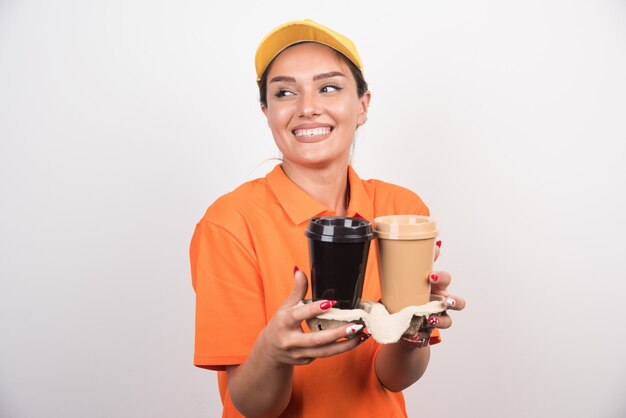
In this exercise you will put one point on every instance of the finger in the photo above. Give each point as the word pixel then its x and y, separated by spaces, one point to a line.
pixel 299 354
pixel 455 303
pixel 439 282
pixel 311 310
pixel 432 321
pixel 298 292
pixel 328 336
pixel 419 340
pixel 442 321
pixel 331 349
pixel 303 361
pixel 437 249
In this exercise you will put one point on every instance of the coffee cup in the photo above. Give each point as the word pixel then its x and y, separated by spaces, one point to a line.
pixel 338 252
pixel 406 252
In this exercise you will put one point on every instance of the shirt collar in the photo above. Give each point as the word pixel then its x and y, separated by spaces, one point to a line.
pixel 361 205
pixel 301 207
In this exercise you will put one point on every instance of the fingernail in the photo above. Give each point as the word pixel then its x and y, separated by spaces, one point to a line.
pixel 433 277
pixel 295 269
pixel 433 320
pixel 363 338
pixel 438 244
pixel 450 302
pixel 326 305
pixel 354 328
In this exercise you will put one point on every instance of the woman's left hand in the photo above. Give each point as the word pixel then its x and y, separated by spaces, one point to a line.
pixel 439 282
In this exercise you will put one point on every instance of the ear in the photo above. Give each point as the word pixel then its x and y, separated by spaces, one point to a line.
pixel 264 110
pixel 364 104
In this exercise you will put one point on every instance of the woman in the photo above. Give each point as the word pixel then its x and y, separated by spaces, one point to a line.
pixel 243 252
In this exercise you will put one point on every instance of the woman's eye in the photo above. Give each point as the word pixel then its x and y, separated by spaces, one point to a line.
pixel 283 93
pixel 329 88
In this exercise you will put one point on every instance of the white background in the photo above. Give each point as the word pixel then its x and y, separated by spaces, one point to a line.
pixel 121 121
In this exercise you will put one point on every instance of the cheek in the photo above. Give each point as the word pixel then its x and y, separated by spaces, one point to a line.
pixel 278 118
pixel 346 111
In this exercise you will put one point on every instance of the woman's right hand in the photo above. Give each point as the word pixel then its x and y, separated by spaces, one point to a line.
pixel 284 341
pixel 280 346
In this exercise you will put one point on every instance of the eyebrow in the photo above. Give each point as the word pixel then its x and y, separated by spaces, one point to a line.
pixel 315 78
pixel 328 75
pixel 283 78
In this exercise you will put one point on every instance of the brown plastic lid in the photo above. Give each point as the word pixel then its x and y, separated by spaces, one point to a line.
pixel 405 227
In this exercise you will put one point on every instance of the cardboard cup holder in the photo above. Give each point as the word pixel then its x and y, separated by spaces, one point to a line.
pixel 386 328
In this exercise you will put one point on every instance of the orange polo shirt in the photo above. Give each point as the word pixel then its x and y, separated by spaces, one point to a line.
pixel 242 256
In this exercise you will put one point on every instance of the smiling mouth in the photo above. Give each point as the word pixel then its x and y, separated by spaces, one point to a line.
pixel 310 133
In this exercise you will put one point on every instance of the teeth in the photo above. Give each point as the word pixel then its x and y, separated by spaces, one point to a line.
pixel 311 132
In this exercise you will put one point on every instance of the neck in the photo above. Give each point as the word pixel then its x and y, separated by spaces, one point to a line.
pixel 327 185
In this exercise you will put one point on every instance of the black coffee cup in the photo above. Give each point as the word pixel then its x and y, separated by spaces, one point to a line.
pixel 338 250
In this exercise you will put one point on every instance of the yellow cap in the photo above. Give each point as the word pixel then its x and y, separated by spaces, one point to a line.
pixel 296 31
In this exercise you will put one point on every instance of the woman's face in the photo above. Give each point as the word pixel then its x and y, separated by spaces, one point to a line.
pixel 313 108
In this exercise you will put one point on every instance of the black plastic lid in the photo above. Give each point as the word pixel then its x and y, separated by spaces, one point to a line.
pixel 339 229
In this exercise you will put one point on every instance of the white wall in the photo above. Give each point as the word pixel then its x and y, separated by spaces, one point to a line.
pixel 121 121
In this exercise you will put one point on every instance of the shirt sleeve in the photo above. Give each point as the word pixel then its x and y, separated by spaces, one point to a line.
pixel 435 337
pixel 230 308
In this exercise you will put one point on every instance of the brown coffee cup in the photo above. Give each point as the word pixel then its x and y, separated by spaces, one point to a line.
pixel 406 250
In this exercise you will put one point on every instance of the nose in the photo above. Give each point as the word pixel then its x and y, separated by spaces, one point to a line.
pixel 309 105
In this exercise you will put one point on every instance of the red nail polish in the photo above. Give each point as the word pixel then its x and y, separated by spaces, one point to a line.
pixel 433 320
pixel 434 277
pixel 438 244
pixel 295 269
pixel 333 302
pixel 325 305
